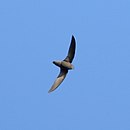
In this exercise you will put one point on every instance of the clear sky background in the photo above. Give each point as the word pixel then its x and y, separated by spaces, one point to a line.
pixel 95 95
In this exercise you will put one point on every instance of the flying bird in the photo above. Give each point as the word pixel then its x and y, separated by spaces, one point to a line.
pixel 64 65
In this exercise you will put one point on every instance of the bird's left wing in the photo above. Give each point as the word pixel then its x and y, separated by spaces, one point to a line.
pixel 71 51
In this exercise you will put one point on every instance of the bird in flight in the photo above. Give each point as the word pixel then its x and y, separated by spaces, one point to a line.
pixel 64 65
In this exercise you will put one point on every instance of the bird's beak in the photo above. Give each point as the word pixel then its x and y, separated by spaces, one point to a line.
pixel 72 67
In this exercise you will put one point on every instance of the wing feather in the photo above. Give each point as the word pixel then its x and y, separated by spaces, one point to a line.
pixel 59 79
pixel 71 51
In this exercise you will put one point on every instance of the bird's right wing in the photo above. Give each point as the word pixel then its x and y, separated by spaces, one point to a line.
pixel 71 51
pixel 59 79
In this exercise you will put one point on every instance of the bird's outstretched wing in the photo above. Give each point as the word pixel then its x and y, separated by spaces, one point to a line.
pixel 59 79
pixel 71 51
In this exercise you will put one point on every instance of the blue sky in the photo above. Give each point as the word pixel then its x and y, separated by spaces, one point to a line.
pixel 95 95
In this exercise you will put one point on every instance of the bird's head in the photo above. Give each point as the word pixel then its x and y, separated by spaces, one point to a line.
pixel 57 63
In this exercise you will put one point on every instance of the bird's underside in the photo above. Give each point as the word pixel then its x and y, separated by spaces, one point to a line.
pixel 64 65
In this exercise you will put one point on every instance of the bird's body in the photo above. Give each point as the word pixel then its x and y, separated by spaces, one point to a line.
pixel 64 65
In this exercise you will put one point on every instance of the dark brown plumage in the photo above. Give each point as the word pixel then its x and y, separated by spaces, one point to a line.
pixel 64 65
